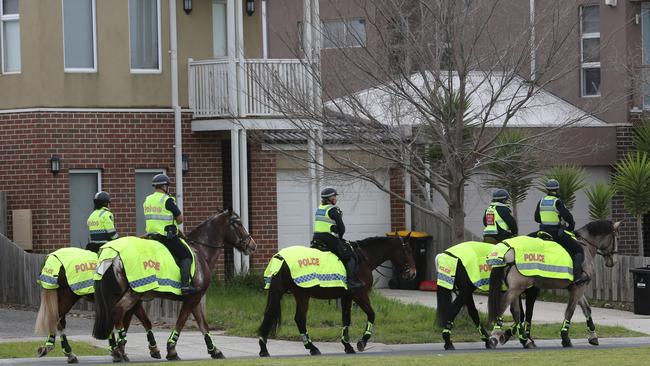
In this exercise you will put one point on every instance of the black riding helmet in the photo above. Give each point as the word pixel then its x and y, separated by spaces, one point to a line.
pixel 328 192
pixel 500 195
pixel 102 199
pixel 160 180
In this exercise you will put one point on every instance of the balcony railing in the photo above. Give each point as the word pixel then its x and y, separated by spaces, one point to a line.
pixel 267 87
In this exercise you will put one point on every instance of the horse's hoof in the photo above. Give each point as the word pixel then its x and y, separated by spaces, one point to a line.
pixel 449 347
pixel 488 345
pixel 216 354
pixel 154 352
pixel 314 351
pixel 117 357
pixel 361 346
pixel 348 348
pixel 506 336
pixel 72 358
pixel 43 350
pixel 566 341
pixel 264 354
pixel 493 342
pixel 125 357
pixel 593 341
pixel 172 357
pixel 528 344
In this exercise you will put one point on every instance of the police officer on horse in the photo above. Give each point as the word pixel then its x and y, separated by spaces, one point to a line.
pixel 101 224
pixel 498 220
pixel 554 218
pixel 328 235
pixel 162 217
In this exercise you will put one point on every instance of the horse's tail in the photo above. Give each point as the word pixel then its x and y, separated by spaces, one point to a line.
pixel 48 313
pixel 495 294
pixel 105 291
pixel 273 310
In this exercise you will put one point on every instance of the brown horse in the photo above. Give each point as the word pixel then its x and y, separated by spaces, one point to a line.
pixel 56 303
pixel 598 237
pixel 115 298
pixel 372 252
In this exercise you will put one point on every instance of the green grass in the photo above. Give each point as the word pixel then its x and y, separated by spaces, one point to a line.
pixel 28 349
pixel 238 309
pixel 622 356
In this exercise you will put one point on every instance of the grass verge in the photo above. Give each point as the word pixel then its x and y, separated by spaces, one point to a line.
pixel 28 349
pixel 238 308
pixel 623 357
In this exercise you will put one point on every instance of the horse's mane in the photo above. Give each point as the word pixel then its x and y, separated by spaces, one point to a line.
pixel 373 240
pixel 209 219
pixel 599 227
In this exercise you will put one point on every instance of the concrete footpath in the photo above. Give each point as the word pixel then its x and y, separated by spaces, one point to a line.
pixel 16 325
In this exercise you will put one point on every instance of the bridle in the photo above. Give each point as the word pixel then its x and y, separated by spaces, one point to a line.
pixel 605 254
pixel 405 268
pixel 242 241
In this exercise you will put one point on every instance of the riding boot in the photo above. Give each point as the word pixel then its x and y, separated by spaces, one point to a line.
pixel 353 282
pixel 186 283
pixel 578 276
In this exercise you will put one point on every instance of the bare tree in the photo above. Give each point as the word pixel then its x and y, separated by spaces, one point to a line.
pixel 433 87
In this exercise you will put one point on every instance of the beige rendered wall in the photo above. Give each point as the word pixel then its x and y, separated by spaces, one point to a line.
pixel 43 82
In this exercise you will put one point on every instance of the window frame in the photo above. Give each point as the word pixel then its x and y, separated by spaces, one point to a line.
pixel 88 171
pixel 160 60
pixel 347 33
pixel 588 65
pixel 8 18
pixel 81 70
pixel 645 55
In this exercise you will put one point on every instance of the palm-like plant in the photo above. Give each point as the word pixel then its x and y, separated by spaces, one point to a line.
pixel 632 180
pixel 600 196
pixel 642 138
pixel 571 179
pixel 513 168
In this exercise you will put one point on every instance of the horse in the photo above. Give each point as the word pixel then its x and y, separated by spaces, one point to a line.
pixel 464 288
pixel 55 305
pixel 372 252
pixel 598 237
pixel 115 298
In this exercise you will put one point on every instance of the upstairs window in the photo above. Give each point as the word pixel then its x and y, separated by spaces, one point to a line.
pixel 645 54
pixel 590 50
pixel 144 29
pixel 344 33
pixel 79 38
pixel 9 36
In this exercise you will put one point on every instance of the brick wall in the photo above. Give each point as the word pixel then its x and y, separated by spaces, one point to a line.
pixel 627 243
pixel 397 214
pixel 116 143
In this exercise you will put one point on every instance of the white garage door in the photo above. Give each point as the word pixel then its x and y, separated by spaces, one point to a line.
pixel 366 209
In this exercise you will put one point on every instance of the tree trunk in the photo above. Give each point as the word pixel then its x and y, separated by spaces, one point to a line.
pixel 639 232
pixel 457 213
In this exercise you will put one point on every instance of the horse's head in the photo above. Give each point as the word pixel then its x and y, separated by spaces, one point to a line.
pixel 602 235
pixel 237 235
pixel 402 257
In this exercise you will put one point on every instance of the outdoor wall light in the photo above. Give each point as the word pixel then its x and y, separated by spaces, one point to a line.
pixel 187 6
pixel 55 164
pixel 250 7
pixel 186 163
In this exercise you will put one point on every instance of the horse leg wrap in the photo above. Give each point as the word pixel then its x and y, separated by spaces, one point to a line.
pixel 591 325
pixel 370 328
pixel 306 341
pixel 121 336
pixel 498 324
pixel 51 339
pixel 449 325
pixel 173 338
pixel 150 338
pixel 566 325
pixel 208 342
pixel 65 345
pixel 111 342
pixel 345 334
pixel 484 334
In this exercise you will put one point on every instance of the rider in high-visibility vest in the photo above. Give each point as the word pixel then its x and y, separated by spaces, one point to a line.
pixel 328 235
pixel 553 217
pixel 162 218
pixel 101 224
pixel 498 220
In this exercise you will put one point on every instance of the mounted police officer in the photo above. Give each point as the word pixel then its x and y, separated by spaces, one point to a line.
pixel 328 235
pixel 553 217
pixel 162 218
pixel 498 220
pixel 101 224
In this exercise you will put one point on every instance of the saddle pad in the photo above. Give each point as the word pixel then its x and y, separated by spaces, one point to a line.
pixel 149 266
pixel 309 267
pixel 535 257
pixel 472 256
pixel 79 266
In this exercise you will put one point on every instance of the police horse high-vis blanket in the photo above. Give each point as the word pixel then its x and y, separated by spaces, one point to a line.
pixel 66 277
pixel 598 238
pixel 371 251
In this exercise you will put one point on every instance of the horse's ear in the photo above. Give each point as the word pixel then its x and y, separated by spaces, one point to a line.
pixel 617 224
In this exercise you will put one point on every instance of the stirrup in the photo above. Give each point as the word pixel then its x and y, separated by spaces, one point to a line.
pixel 188 290
pixel 583 279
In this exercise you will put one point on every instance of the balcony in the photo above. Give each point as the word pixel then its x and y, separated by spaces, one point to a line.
pixel 261 88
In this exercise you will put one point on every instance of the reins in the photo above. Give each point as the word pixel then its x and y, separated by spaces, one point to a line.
pixel 584 241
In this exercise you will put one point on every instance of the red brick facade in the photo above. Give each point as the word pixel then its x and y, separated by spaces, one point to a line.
pixel 397 213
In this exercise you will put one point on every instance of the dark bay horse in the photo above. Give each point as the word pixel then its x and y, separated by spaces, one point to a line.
pixel 56 303
pixel 464 288
pixel 115 298
pixel 372 252
pixel 598 237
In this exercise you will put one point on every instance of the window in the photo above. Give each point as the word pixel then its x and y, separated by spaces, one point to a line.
pixel 590 50
pixel 645 54
pixel 219 29
pixel 9 36
pixel 144 29
pixel 142 190
pixel 84 183
pixel 344 33
pixel 79 40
